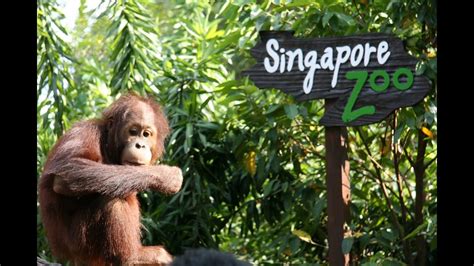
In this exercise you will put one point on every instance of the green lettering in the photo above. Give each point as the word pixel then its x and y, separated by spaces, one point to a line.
pixel 350 115
pixel 373 77
pixel 396 79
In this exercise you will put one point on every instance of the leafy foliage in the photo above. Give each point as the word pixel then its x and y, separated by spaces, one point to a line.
pixel 253 159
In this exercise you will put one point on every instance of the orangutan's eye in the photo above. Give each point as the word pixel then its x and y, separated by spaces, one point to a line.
pixel 133 131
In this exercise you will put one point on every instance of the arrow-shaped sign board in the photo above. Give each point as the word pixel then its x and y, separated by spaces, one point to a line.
pixel 370 75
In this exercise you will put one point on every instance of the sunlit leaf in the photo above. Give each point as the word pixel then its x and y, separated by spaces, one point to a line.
pixel 427 132
pixel 302 235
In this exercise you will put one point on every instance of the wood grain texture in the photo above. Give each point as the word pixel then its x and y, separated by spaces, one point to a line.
pixel 292 82
pixel 338 191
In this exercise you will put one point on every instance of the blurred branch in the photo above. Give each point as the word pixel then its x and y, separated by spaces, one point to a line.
pixel 387 199
pixel 395 152
pixel 419 169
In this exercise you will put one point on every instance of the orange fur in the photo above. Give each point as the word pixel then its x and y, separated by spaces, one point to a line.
pixel 88 201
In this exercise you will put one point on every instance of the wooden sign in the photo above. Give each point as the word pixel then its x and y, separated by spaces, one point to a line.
pixel 368 75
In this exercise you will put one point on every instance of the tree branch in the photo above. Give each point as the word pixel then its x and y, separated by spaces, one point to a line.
pixel 389 203
pixel 397 169
pixel 430 162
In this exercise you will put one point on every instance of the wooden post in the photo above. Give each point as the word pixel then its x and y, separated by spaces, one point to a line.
pixel 338 191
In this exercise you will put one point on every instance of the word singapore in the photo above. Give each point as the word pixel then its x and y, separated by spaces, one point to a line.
pixel 282 60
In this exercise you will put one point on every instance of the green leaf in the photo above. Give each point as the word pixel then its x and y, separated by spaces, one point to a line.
pixel 230 39
pixel 392 262
pixel 416 231
pixel 327 16
pixel 347 244
pixel 291 111
pixel 268 188
pixel 389 234
pixel 203 140
pixel 207 125
pixel 345 18
pixel 398 133
pixel 189 137
pixel 205 103
pixel 212 30
pixel 192 32
pixel 272 109
pixel 300 3
pixel 306 237
pixel 369 264
pixel 318 208
pixel 294 245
